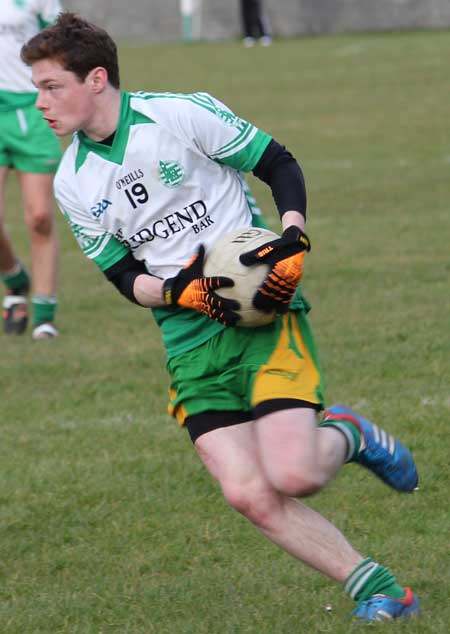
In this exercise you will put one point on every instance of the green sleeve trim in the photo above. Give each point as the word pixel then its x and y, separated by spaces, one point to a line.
pixel 258 221
pixel 112 253
pixel 246 159
pixel 104 249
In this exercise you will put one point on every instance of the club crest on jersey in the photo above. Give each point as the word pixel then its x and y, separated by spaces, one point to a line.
pixel 171 173
pixel 99 208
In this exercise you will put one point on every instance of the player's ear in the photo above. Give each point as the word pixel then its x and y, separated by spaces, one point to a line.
pixel 97 79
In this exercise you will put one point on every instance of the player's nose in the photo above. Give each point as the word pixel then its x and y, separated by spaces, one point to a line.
pixel 40 101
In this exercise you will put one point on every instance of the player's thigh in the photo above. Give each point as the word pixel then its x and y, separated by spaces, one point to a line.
pixel 230 452
pixel 37 194
pixel 231 455
pixel 288 449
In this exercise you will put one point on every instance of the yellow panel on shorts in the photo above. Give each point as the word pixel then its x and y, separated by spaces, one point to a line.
pixel 290 371
pixel 177 411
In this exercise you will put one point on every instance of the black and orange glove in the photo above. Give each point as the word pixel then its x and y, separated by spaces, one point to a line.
pixel 191 289
pixel 285 257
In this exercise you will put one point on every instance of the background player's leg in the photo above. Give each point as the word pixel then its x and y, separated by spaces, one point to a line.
pixel 12 273
pixel 7 257
pixel 39 217
pixel 247 22
pixel 263 25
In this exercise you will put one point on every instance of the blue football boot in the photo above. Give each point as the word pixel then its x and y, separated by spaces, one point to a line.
pixel 380 452
pixel 383 608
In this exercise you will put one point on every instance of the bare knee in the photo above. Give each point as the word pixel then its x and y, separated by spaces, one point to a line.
pixel 39 221
pixel 295 483
pixel 258 503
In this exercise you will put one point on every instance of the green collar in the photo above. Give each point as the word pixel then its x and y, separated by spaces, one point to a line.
pixel 115 152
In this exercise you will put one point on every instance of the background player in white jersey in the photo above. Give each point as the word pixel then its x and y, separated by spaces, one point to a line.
pixel 150 180
pixel 28 146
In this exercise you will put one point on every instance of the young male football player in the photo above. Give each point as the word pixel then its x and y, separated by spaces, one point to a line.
pixel 151 180
pixel 28 146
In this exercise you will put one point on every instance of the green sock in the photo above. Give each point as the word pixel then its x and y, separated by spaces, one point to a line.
pixel 369 578
pixel 351 433
pixel 16 280
pixel 44 309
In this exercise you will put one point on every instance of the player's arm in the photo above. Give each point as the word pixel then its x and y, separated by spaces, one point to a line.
pixel 281 172
pixel 278 169
pixel 188 289
pixel 132 280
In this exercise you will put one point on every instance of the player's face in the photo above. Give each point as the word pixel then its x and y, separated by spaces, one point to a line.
pixel 66 103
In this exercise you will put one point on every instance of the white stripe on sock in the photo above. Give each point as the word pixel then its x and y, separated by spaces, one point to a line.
pixel 362 580
pixel 349 438
pixel 356 574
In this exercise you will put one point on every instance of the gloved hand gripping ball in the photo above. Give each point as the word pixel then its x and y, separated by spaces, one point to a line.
pixel 285 257
pixel 191 289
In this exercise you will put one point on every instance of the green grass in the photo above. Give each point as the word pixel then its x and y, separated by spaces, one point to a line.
pixel 108 522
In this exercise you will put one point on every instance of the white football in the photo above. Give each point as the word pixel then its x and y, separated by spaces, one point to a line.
pixel 223 259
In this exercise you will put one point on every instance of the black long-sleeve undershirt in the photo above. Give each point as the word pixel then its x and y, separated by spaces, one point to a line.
pixel 123 275
pixel 281 172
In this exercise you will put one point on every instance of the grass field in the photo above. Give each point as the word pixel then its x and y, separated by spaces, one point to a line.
pixel 108 522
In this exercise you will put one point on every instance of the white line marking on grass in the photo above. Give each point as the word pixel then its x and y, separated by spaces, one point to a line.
pixel 350 49
pixel 112 421
pixel 427 400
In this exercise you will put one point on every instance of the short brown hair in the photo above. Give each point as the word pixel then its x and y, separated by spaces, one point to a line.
pixel 77 44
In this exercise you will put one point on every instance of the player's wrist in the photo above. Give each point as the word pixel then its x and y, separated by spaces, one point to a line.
pixel 294 234
pixel 168 292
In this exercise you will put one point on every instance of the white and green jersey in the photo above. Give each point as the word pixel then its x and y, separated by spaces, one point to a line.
pixel 169 182
pixel 19 21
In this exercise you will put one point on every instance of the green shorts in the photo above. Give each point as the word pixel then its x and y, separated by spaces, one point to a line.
pixel 27 143
pixel 239 371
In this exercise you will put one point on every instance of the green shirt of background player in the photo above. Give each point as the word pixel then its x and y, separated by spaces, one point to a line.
pixel 32 150
pixel 249 398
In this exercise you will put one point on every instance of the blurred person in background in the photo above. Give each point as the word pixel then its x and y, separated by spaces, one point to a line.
pixel 31 148
pixel 255 23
